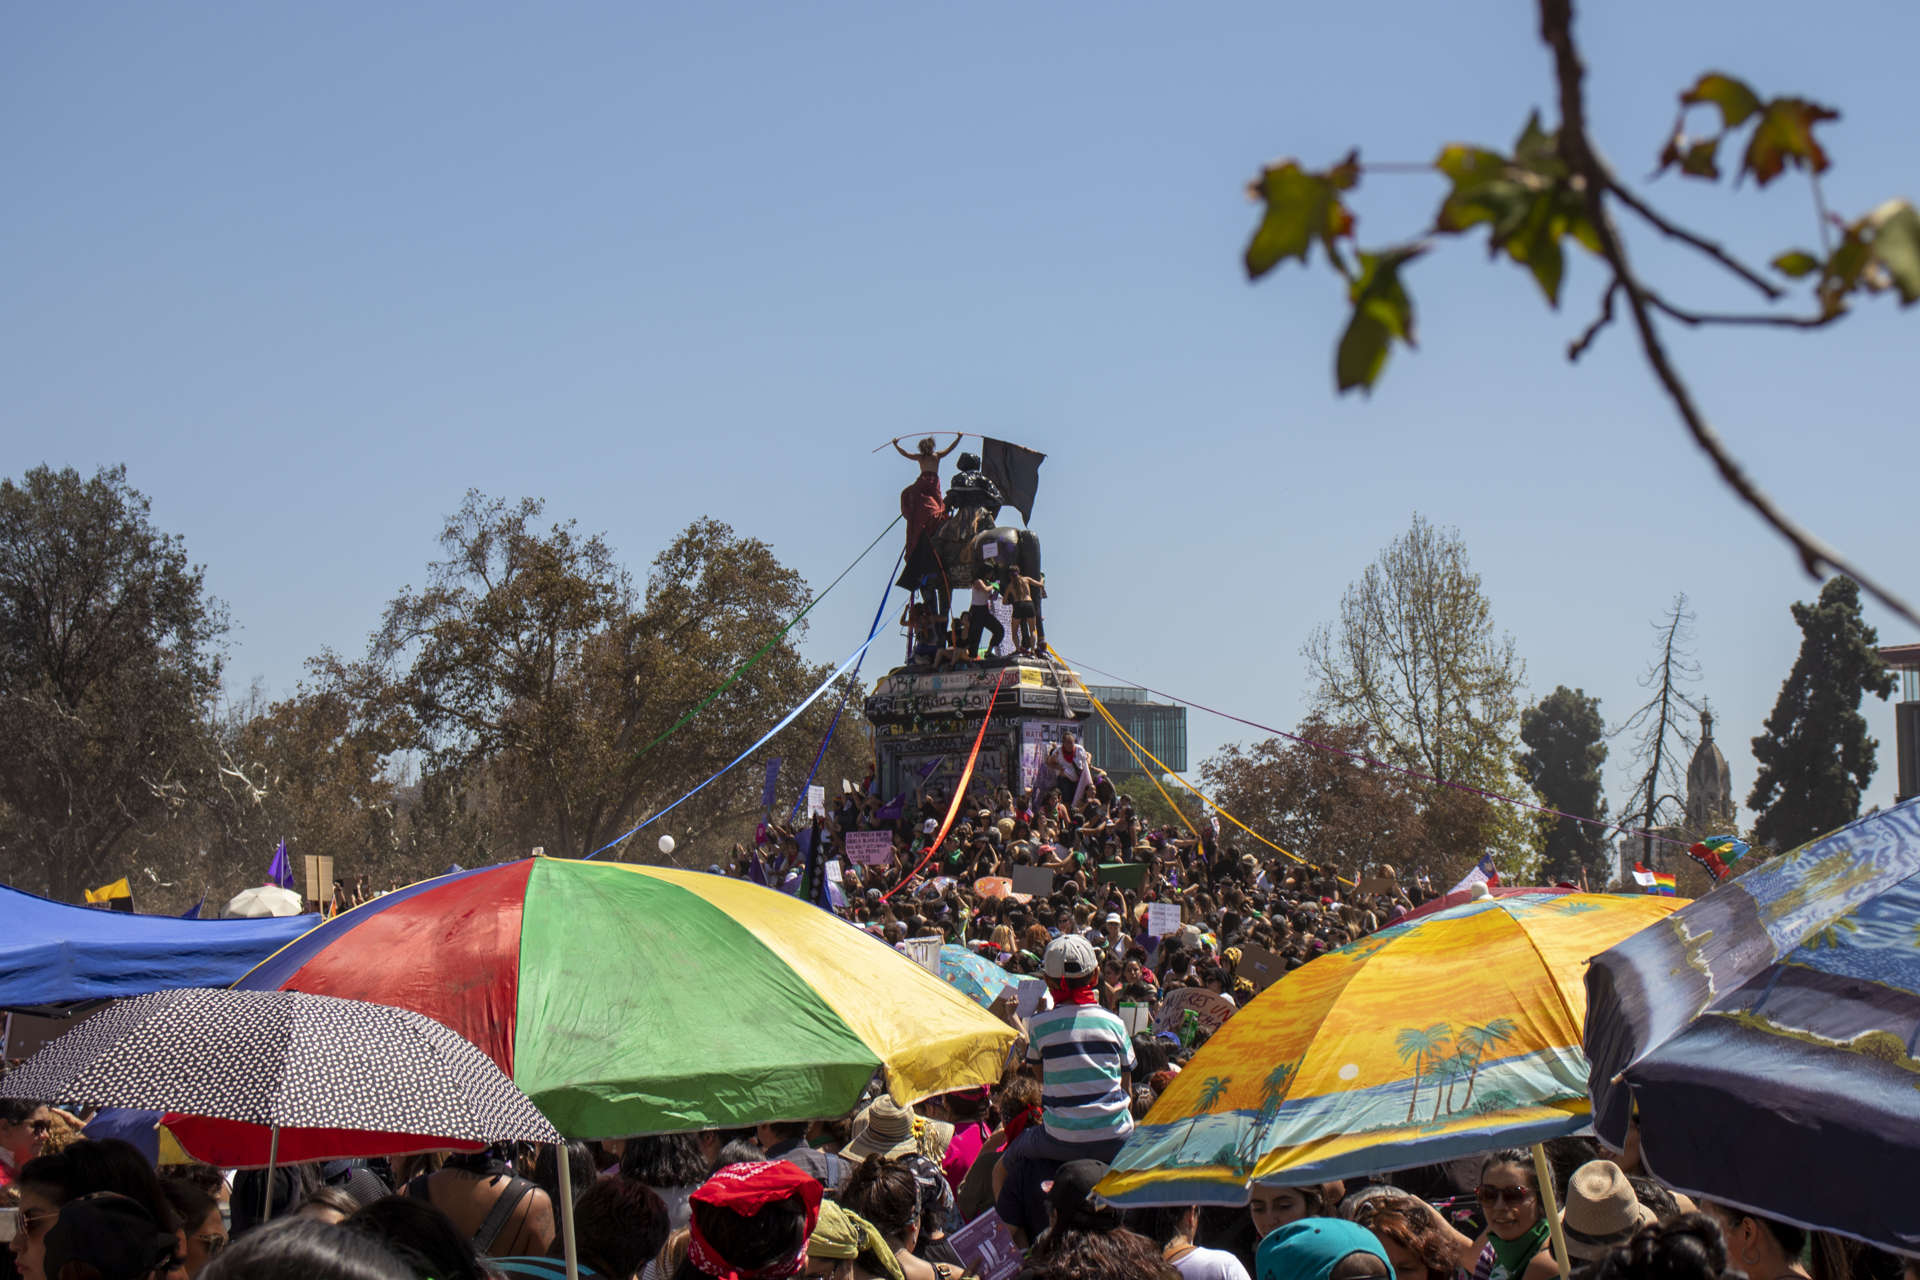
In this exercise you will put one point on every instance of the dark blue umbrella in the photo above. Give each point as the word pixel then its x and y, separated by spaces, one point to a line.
pixel 1768 1035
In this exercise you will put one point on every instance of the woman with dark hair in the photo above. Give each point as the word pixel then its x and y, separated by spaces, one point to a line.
pixel 1690 1247
pixel 421 1236
pixel 1173 1228
pixel 298 1249
pixel 330 1205
pixel 1514 1245
pixel 48 1182
pixel 885 1193
pixel 751 1218
pixel 493 1207
pixel 199 1213
pixel 539 1167
pixel 1761 1247
pixel 1274 1207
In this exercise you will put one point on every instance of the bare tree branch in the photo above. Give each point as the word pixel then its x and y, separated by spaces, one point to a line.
pixel 1701 243
pixel 1577 349
pixel 1698 318
pixel 1556 28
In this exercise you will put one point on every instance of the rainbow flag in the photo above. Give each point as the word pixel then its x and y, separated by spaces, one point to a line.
pixel 1663 883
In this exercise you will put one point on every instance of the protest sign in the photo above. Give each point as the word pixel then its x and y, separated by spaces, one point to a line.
pixel 1032 880
pixel 1212 1010
pixel 1259 966
pixel 833 871
pixel 870 848
pixel 1136 1017
pixel 925 952
pixel 1031 989
pixel 986 1248
pixel 1382 883
pixel 816 802
pixel 1124 875
pixel 1163 918
pixel 993 887
pixel 766 792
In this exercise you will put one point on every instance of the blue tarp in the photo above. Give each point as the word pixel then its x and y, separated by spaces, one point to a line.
pixel 54 953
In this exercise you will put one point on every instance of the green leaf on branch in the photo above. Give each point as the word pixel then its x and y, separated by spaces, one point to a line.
pixel 1526 200
pixel 1302 206
pixel 1702 159
pixel 1796 263
pixel 1785 136
pixel 1382 312
pixel 1736 101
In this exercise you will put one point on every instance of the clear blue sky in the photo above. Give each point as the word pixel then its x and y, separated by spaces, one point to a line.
pixel 312 271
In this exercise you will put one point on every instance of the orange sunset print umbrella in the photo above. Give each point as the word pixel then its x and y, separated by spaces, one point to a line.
pixel 1455 1033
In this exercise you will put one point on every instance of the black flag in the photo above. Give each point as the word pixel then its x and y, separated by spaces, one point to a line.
pixel 1015 472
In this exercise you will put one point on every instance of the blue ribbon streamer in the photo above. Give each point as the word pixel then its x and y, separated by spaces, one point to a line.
pixel 872 631
pixel 791 716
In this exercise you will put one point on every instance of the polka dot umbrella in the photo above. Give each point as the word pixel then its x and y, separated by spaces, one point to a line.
pixel 255 1078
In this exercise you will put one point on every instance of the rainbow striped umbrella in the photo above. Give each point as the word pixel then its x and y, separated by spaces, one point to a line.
pixel 625 999
pixel 1456 1033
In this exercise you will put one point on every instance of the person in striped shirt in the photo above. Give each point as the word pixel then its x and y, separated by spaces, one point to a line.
pixel 1086 1064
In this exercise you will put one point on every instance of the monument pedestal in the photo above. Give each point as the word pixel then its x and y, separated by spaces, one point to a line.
pixel 923 718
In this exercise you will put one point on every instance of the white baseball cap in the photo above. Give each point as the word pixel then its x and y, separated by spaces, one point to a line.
pixel 1070 956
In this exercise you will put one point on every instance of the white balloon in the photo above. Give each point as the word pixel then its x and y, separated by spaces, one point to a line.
pixel 666 844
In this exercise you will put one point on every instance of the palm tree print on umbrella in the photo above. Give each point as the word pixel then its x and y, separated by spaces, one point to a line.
pixel 1273 1092
pixel 1210 1094
pixel 1480 1039
pixel 1423 1045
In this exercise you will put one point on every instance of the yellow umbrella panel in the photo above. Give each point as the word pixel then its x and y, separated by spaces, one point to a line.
pixel 1456 1033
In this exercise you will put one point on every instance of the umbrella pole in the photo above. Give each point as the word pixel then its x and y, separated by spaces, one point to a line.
pixel 1549 1206
pixel 273 1155
pixel 566 1209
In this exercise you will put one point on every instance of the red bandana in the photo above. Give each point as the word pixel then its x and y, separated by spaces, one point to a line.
pixel 746 1189
pixel 1064 994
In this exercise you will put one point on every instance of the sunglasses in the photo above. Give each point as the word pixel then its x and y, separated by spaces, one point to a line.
pixel 1510 1195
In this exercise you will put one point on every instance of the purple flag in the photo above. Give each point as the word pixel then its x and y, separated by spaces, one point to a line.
pixel 280 870
pixel 756 870
pixel 193 912
pixel 773 774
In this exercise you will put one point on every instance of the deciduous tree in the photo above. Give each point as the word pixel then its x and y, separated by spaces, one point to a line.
pixel 1415 657
pixel 109 659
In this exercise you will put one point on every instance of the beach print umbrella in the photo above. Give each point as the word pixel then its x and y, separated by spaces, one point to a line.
pixel 253 1077
pixel 978 977
pixel 1426 1041
pixel 1768 1034
pixel 627 999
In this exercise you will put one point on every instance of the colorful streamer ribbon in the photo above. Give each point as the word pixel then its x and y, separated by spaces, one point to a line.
pixel 959 789
pixel 872 631
pixel 788 719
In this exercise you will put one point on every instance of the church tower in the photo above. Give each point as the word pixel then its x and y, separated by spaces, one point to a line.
pixel 1710 805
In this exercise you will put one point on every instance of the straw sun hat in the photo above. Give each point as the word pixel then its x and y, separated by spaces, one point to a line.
pixel 1602 1212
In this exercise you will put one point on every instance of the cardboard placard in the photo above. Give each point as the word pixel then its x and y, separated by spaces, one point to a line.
pixel 924 952
pixel 1213 1010
pixel 869 848
pixel 834 875
pixel 986 1248
pixel 1259 966
pixel 1030 992
pixel 1137 1017
pixel 1123 875
pixel 1036 881
pixel 1163 918
pixel 816 801
pixel 1377 884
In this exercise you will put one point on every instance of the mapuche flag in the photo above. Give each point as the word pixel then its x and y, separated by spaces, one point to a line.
pixel 1715 852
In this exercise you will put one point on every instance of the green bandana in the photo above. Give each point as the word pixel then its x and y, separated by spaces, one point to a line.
pixel 1510 1257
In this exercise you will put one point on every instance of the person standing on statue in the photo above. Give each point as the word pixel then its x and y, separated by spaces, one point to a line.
pixel 924 509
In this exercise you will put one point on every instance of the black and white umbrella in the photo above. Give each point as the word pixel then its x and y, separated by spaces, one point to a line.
pixel 263 1077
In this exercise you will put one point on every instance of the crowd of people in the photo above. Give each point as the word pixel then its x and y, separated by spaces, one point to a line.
pixel 889 1191
pixel 878 1194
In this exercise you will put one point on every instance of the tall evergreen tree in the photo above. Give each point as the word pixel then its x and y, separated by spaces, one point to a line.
pixel 1815 757
pixel 1565 749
